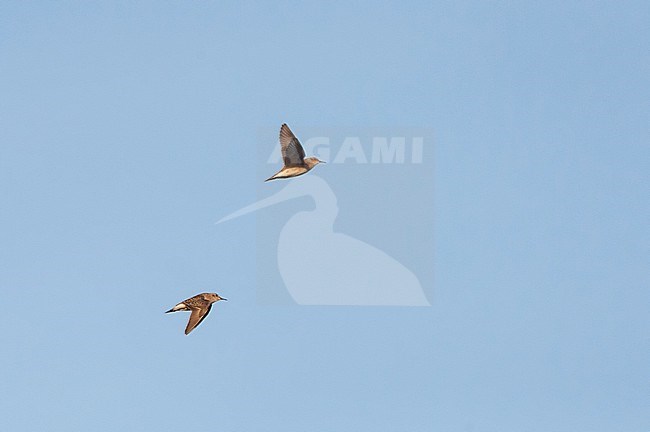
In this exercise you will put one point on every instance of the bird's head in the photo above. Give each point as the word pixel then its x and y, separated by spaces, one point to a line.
pixel 312 162
pixel 213 297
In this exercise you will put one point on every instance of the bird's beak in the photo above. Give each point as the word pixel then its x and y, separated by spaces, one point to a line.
pixel 322 161
pixel 223 299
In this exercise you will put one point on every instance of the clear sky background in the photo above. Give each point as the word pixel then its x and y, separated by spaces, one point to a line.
pixel 125 131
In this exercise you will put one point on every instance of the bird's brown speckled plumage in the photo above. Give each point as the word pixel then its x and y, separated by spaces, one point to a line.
pixel 200 306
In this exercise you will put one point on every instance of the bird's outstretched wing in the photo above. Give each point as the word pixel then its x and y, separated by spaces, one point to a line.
pixel 197 316
pixel 292 152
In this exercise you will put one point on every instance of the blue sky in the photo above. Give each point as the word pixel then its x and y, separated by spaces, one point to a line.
pixel 126 132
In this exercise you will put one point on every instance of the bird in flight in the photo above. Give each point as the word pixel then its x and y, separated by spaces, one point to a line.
pixel 295 162
pixel 199 305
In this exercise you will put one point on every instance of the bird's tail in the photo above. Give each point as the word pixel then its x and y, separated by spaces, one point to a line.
pixel 170 310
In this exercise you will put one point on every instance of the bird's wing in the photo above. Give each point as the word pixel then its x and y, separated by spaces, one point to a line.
pixel 292 151
pixel 198 315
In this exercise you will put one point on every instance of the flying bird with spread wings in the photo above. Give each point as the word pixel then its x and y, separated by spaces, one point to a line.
pixel 199 305
pixel 295 162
